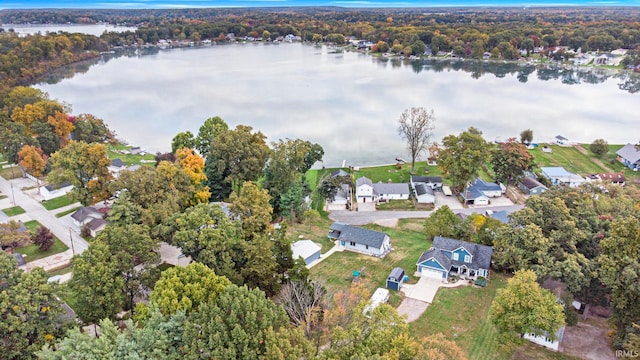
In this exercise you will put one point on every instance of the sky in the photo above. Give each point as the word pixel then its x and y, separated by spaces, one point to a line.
pixel 176 4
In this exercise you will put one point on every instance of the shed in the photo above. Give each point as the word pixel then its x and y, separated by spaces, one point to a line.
pixel 307 250
pixel 395 279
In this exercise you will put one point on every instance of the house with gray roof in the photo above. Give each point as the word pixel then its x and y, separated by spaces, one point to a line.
pixel 479 191
pixel 531 186
pixel 339 173
pixel 341 200
pixel 364 190
pixel 96 225
pixel 391 191
pixel 84 215
pixel 455 257
pixel 360 240
pixel 559 176
pixel 629 156
pixel 434 182
pixel 424 194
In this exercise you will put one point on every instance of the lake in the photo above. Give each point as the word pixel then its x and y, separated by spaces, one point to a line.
pixel 91 29
pixel 347 102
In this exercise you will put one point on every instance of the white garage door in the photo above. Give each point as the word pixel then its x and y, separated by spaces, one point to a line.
pixel 432 274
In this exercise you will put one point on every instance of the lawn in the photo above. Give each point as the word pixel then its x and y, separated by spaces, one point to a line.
pixel 316 232
pixel 64 270
pixel 67 212
pixel 408 242
pixel 13 211
pixel 32 252
pixel 397 173
pixel 397 205
pixel 32 225
pixel 11 172
pixel 58 202
pixel 568 157
pixel 129 159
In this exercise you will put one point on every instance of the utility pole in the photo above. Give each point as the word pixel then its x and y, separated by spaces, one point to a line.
pixel 73 251
pixel 13 195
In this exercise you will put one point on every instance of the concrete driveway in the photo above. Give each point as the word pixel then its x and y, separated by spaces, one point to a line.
pixel 424 290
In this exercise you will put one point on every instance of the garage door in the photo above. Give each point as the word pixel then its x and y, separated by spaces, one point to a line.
pixel 432 274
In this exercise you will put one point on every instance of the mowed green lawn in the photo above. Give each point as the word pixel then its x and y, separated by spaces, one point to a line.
pixel 408 242
pixel 567 157
pixel 129 159
pixel 58 202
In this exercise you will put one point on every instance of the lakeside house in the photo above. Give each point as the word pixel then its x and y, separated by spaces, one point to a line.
pixel 531 186
pixel 434 182
pixel 455 257
pixel 391 191
pixel 479 191
pixel 360 240
pixel 629 155
pixel 561 140
pixel 559 176
pixel 612 178
pixel 424 194
pixel 341 200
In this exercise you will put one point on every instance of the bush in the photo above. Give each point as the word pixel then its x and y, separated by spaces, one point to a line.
pixel 481 281
pixel 85 232
pixel 43 238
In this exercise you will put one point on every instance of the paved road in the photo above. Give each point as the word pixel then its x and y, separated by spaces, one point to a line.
pixel 368 217
pixel 37 212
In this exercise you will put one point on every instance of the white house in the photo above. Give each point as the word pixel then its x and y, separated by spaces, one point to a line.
pixel 561 140
pixel 116 166
pixel 424 194
pixel 479 191
pixel 364 190
pixel 341 200
pixel 52 191
pixel 434 182
pixel 544 339
pixel 84 215
pixel 391 191
pixel 360 240
pixel 559 176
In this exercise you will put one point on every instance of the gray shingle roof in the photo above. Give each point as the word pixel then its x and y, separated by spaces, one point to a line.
pixel 339 172
pixel 52 187
pixel 481 253
pixel 531 183
pixel 85 212
pixel 362 181
pixel 630 153
pixel 96 223
pixel 437 254
pixel 502 216
pixel 118 163
pixel 396 274
pixel 422 189
pixel 426 179
pixel 344 232
pixel 391 188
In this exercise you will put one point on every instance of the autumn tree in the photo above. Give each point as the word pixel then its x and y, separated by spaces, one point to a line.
pixel 43 238
pixel 192 164
pixel 62 126
pixel 85 166
pixel 32 160
pixel 510 160
pixel 416 127
pixel 522 248
pixel 524 307
pixel 90 129
pixel 12 234
pixel 31 313
pixel 599 147
pixel 462 156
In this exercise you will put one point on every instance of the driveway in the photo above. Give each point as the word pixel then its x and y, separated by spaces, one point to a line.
pixel 424 290
pixel 412 309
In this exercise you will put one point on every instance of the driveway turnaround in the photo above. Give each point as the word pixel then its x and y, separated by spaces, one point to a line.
pixel 412 309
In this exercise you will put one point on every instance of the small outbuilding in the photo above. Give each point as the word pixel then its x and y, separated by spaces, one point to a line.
pixel 395 279
pixel 379 297
pixel 307 250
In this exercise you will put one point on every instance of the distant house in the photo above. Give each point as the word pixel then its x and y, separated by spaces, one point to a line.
pixel 116 166
pixel 455 257
pixel 434 182
pixel 629 156
pixel 96 225
pixel 135 150
pixel 341 200
pixel 364 190
pixel 559 176
pixel 391 191
pixel 55 191
pixel 502 216
pixel 531 186
pixel 307 250
pixel 395 279
pixel 360 240
pixel 424 194
pixel 613 178
pixel 479 191
pixel 561 140
pixel 85 214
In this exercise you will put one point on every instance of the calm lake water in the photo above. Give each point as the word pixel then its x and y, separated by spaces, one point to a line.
pixel 91 29
pixel 347 102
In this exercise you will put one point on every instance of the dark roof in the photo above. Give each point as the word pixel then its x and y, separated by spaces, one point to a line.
pixel 19 259
pixel 339 172
pixel 629 153
pixel 426 179
pixel 613 177
pixel 52 187
pixel 96 223
pixel 484 185
pixel 481 254
pixel 560 137
pixel 472 193
pixel 118 163
pixel 397 274
pixel 422 189
pixel 344 232
pixel 531 183
pixel 85 212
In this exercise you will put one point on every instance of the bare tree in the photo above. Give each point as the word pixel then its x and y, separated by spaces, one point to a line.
pixel 416 126
pixel 304 302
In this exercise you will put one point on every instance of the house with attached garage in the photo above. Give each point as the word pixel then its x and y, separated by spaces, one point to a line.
pixel 341 200
pixel 434 182
pixel 360 240
pixel 391 191
pixel 629 155
pixel 559 176
pixel 455 257
pixel 479 191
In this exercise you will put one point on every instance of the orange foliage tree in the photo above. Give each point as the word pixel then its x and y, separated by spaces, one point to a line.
pixel 32 160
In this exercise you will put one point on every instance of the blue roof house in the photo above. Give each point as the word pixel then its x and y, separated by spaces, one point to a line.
pixel 479 191
pixel 629 156
pixel 455 257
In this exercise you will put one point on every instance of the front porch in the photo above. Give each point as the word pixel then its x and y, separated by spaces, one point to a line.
pixel 463 272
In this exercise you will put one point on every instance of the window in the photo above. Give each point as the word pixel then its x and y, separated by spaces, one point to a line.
pixel 352 243
pixel 455 256
pixel 467 258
